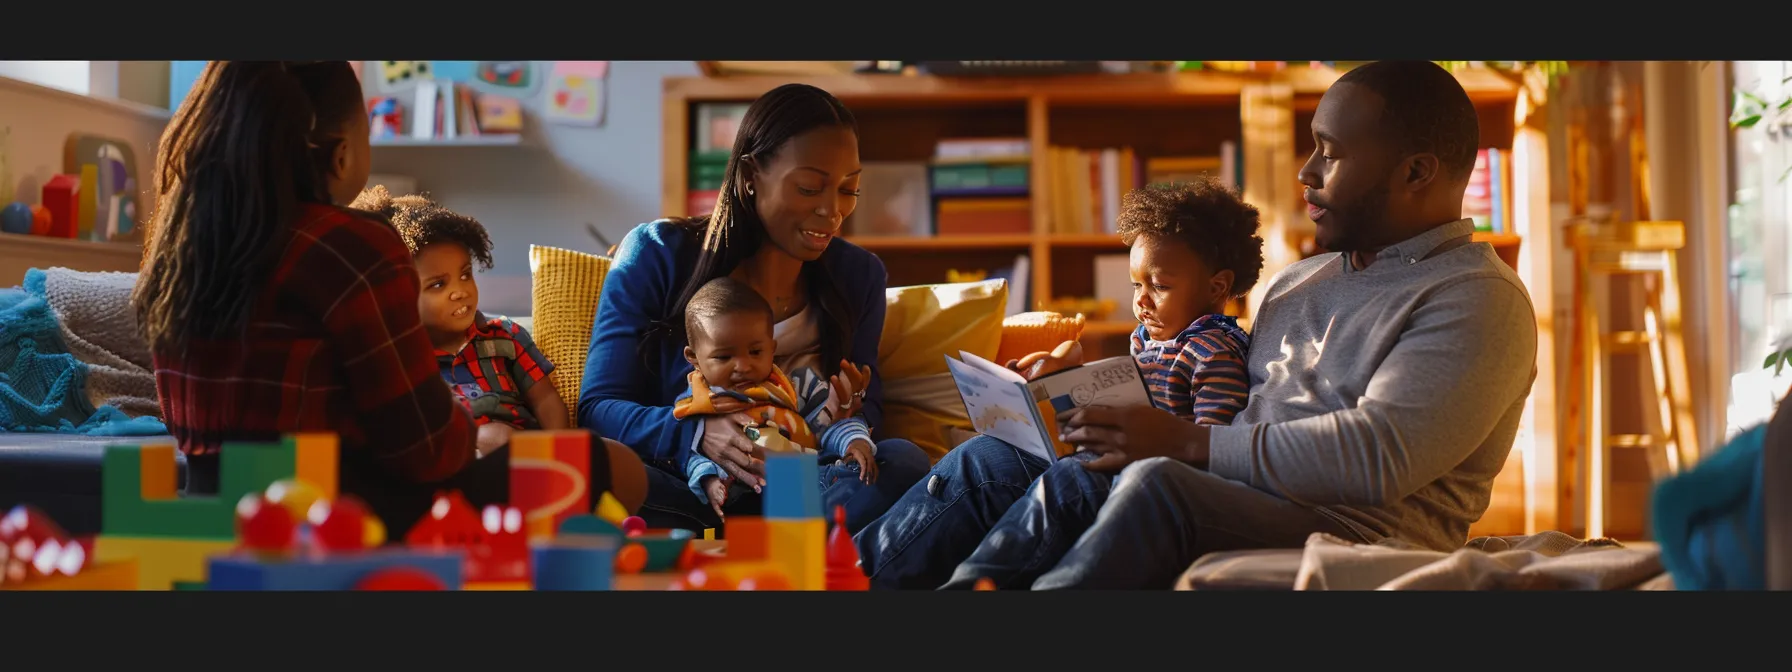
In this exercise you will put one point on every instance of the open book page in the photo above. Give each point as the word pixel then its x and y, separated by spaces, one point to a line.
pixel 1115 381
pixel 997 404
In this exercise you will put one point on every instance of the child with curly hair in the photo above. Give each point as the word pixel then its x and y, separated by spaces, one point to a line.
pixel 491 363
pixel 1194 247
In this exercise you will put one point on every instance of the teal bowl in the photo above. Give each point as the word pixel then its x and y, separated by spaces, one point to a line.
pixel 663 548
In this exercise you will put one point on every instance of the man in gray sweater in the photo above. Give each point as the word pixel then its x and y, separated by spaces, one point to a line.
pixel 1387 380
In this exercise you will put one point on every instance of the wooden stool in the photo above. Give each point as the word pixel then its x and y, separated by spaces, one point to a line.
pixel 1646 249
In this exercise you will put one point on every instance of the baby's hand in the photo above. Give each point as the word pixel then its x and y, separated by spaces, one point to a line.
pixel 860 452
pixel 717 489
pixel 846 395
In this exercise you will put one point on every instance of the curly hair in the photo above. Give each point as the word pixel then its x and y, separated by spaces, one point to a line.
pixel 1211 219
pixel 422 222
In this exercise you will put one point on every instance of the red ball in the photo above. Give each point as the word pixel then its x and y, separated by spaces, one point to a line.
pixel 633 526
pixel 339 525
pixel 264 525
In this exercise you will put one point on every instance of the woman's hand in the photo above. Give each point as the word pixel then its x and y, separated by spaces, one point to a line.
pixel 1067 355
pixel 725 444
pixel 846 395
pixel 1123 435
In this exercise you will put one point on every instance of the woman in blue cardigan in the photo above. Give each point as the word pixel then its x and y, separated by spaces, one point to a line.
pixel 791 179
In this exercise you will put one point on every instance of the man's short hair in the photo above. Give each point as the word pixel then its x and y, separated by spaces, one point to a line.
pixel 1424 109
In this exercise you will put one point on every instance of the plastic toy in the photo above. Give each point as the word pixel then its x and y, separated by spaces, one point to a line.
pixel 579 562
pixel 843 571
pixel 611 510
pixel 633 526
pixel 374 569
pixel 789 541
pixel 37 554
pixel 16 218
pixel 492 542
pixel 985 583
pixel 550 478
pixel 170 536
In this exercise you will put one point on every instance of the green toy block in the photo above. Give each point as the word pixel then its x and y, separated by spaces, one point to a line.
pixel 243 468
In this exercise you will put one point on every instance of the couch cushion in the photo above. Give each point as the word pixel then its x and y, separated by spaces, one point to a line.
pixel 564 289
pixel 1039 331
pixel 922 326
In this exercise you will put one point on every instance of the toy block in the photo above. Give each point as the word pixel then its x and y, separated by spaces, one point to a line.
pixel 709 534
pixel 118 575
pixel 317 457
pixel 747 538
pixel 575 563
pixel 137 485
pixel 345 571
pixel 550 474
pixel 800 547
pixel 734 576
pixel 611 510
pixel 496 586
pixel 162 562
pixel 792 486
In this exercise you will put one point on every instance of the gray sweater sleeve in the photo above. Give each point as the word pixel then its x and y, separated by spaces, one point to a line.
pixel 1423 411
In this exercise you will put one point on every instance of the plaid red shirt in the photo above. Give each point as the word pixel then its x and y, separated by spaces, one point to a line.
pixel 493 370
pixel 333 345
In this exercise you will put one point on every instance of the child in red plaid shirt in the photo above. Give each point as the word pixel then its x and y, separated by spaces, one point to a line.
pixel 490 363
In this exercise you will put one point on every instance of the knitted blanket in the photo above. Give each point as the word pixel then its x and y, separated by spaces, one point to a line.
pixel 44 385
pixel 100 329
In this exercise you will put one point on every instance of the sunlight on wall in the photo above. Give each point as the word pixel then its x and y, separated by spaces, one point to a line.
pixel 73 76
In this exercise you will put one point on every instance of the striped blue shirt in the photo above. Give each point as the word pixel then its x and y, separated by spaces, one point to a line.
pixel 1200 374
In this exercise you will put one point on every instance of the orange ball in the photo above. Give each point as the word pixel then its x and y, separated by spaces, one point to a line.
pixel 631 558
pixel 41 221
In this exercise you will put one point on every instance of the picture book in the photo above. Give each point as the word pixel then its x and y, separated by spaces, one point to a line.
pixel 1004 405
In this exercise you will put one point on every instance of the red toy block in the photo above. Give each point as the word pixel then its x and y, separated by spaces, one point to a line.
pixel 32 547
pixel 843 571
pixel 62 197
pixel 495 543
pixel 550 478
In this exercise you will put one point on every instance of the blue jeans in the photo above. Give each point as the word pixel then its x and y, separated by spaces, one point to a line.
pixel 940 521
pixel 900 464
pixel 1073 528
pixel 1035 533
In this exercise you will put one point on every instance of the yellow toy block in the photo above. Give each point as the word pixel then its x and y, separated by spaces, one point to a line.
pixel 161 561
pixel 611 510
pixel 119 575
pixel 800 547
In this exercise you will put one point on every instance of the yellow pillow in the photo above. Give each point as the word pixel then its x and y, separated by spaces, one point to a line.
pixel 564 288
pixel 923 324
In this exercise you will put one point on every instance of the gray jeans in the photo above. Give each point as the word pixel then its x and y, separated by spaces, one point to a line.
pixel 1159 516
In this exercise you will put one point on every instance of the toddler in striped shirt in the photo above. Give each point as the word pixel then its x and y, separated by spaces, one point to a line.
pixel 1194 248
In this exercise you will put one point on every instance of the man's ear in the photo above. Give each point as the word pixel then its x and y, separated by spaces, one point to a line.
pixel 1421 171
pixel 1221 283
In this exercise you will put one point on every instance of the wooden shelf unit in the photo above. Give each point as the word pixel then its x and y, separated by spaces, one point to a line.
pixel 902 117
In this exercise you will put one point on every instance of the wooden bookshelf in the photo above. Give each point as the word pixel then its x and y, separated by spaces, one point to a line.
pixel 903 117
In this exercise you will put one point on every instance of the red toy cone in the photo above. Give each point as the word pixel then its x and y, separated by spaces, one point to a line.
pixel 843 558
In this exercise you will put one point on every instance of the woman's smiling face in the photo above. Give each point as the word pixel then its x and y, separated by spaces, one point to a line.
pixel 807 189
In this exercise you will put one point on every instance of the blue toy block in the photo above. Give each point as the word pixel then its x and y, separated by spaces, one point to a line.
pixel 329 572
pixel 792 487
pixel 575 563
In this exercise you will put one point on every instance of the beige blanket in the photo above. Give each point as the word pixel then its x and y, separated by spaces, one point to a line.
pixel 100 329
pixel 1544 561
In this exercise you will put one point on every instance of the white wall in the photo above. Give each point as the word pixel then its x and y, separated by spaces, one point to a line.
pixel 66 75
